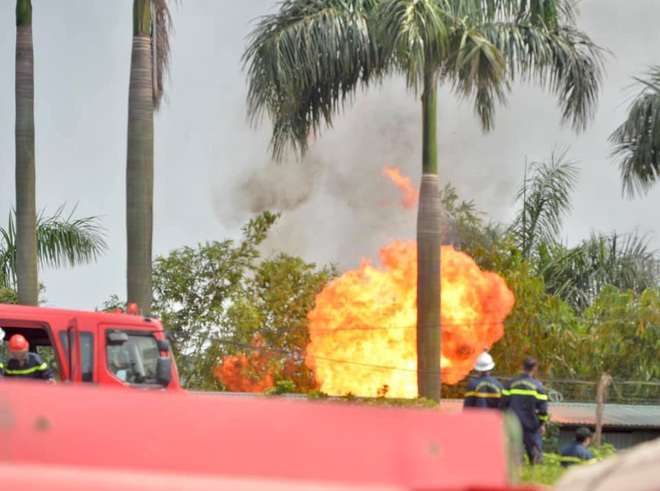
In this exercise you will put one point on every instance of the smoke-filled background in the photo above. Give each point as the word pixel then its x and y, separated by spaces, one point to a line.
pixel 213 171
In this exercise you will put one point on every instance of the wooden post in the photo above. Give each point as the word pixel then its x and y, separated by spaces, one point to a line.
pixel 605 381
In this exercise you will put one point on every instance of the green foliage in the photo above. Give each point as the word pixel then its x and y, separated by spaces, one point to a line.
pixel 220 300
pixel 317 394
pixel 420 402
pixel 574 274
pixel 193 288
pixel 281 387
pixel 625 333
pixel 578 274
pixel 545 474
pixel 8 296
pixel 637 140
pixel 545 201
pixel 580 311
pixel 114 303
pixel 62 241
pixel 308 59
pixel 551 438
pixel 604 451
pixel 550 471
pixel 274 304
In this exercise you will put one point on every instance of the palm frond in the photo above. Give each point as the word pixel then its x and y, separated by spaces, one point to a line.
pixel 415 34
pixel 8 254
pixel 542 45
pixel 545 199
pixel 61 241
pixel 65 241
pixel 579 274
pixel 477 68
pixel 488 11
pixel 303 64
pixel 161 30
pixel 637 139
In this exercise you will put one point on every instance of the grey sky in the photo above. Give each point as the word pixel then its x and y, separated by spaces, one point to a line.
pixel 212 170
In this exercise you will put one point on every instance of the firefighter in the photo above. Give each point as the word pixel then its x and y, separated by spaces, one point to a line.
pixel 24 363
pixel 577 452
pixel 528 399
pixel 484 391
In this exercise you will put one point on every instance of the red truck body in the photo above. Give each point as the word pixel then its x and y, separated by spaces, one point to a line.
pixel 109 349
pixel 81 437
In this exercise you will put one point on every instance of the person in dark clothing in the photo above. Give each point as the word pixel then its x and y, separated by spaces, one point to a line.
pixel 24 363
pixel 483 391
pixel 528 399
pixel 577 452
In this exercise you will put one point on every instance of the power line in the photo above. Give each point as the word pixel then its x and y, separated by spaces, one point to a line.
pixel 548 381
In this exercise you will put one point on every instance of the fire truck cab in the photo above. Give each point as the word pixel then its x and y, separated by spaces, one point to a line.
pixel 109 349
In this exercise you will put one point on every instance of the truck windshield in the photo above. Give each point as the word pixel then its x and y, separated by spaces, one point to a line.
pixel 134 361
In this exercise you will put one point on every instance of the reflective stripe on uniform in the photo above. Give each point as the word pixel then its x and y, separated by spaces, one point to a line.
pixel 482 394
pixel 26 371
pixel 525 392
pixel 487 384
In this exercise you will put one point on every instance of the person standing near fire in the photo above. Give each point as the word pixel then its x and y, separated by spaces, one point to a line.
pixel 528 399
pixel 484 391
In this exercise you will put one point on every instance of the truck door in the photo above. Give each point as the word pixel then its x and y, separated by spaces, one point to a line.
pixel 78 362
pixel 133 357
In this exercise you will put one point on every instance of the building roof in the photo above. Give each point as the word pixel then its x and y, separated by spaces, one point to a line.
pixel 578 413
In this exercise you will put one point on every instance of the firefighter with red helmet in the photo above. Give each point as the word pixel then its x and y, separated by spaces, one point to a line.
pixel 24 363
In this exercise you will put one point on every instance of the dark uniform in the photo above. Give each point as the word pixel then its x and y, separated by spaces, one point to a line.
pixel 34 367
pixel 527 397
pixel 576 453
pixel 484 392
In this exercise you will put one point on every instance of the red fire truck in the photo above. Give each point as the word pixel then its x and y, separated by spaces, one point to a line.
pixel 108 349
pixel 79 438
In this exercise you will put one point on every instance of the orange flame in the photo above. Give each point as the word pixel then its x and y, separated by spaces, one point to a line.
pixel 362 328
pixel 410 194
pixel 248 373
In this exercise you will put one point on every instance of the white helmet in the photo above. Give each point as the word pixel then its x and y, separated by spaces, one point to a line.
pixel 484 362
pixel 2 334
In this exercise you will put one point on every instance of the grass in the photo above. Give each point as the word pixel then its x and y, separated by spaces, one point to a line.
pixel 546 474
pixel 549 472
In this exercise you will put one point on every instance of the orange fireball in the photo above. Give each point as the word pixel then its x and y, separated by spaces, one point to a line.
pixel 362 328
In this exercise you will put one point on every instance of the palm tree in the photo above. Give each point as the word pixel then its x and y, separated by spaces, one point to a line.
pixel 576 274
pixel 580 273
pixel 62 241
pixel 545 198
pixel 308 59
pixel 149 63
pixel 637 140
pixel 26 235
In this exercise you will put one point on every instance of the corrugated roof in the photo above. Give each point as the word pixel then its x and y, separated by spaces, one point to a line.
pixel 574 413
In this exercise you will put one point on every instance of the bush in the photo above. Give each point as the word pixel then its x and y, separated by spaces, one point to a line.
pixel 8 296
pixel 549 472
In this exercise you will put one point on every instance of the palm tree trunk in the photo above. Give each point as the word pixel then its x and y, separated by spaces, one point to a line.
pixel 428 251
pixel 140 161
pixel 26 210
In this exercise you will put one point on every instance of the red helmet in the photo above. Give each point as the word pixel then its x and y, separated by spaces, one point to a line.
pixel 18 343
